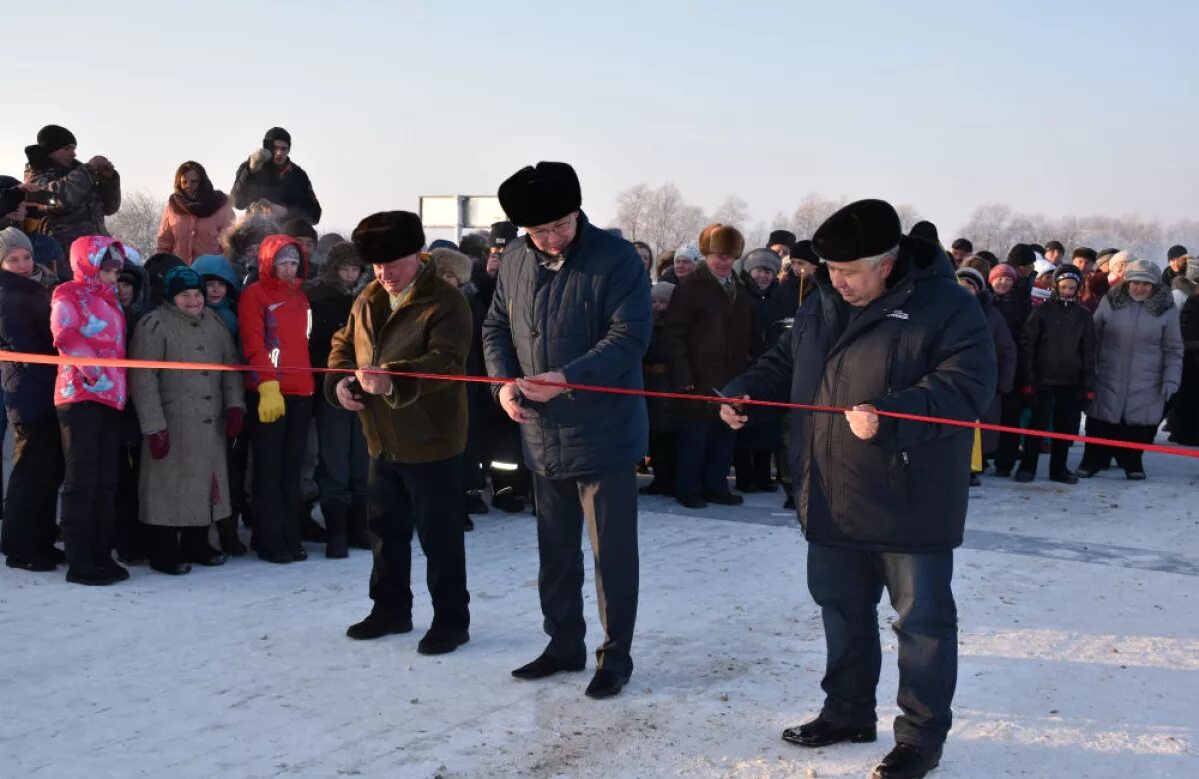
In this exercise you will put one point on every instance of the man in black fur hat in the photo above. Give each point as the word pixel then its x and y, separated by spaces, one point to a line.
pixel 269 174
pixel 572 306
pixel 408 320
pixel 882 501
pixel 780 242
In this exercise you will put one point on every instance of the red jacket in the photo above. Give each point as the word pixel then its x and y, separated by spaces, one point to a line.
pixel 273 322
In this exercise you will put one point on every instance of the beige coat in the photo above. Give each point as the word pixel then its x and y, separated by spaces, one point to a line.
pixel 188 487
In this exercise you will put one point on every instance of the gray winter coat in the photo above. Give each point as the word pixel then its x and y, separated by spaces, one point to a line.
pixel 1139 356
pixel 188 487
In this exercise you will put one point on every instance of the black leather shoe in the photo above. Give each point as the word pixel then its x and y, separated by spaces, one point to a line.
pixel 692 502
pixel 1065 477
pixel 975 481
pixel 1024 477
pixel 378 625
pixel 30 563
pixel 727 499
pixel 548 665
pixel 1086 472
pixel 279 558
pixel 906 761
pixel 440 641
pixel 821 733
pixel 606 684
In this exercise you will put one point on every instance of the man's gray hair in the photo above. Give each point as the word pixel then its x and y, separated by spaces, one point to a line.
pixel 877 259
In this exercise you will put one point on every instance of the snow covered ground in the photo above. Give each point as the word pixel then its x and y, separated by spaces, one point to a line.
pixel 1079 612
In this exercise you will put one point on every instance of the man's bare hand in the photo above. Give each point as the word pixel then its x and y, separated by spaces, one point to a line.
pixel 732 416
pixel 539 392
pixel 373 383
pixel 863 421
pixel 345 395
pixel 508 401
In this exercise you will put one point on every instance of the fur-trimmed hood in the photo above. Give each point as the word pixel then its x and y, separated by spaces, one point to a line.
pixel 240 242
pixel 1158 303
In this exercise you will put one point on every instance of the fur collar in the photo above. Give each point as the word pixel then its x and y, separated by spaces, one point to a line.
pixel 1158 303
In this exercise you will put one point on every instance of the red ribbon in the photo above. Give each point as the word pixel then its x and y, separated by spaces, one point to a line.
pixel 104 362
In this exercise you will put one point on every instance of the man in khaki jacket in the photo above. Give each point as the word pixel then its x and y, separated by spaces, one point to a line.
pixel 409 320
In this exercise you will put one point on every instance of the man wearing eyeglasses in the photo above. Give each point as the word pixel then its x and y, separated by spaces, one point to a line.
pixel 572 306
pixel 269 174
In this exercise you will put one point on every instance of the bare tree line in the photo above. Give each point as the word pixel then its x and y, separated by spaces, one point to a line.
pixel 663 218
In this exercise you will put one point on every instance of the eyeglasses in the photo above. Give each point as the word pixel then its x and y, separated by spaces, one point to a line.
pixel 560 228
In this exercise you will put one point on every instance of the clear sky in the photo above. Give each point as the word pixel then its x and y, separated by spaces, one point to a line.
pixel 1058 107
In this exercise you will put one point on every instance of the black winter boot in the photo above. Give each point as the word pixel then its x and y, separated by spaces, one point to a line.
pixel 227 533
pixel 336 526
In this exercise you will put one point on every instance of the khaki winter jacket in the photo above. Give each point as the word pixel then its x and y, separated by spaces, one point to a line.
pixel 422 420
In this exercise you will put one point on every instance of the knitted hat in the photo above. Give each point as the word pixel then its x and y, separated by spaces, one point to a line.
pixel 1143 270
pixel 1066 272
pixel 866 228
pixel 1177 250
pixel 276 134
pixel 802 250
pixel 12 239
pixel 52 137
pixel 299 227
pixel 387 236
pixel 181 279
pixel 1000 271
pixel 926 230
pixel 661 292
pixel 762 258
pixel 540 195
pixel 447 260
pixel 688 251
pixel 785 237
pixel 974 277
pixel 502 233
pixel 718 238
pixel 1021 255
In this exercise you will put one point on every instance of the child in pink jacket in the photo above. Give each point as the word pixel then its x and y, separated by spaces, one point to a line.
pixel 86 321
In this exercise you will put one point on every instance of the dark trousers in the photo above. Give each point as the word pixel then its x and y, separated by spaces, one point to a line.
pixel 237 460
pixel 753 469
pixel 608 503
pixel 91 441
pixel 664 456
pixel 1063 407
pixel 1099 456
pixel 847 585
pixel 705 456
pixel 279 450
pixel 170 546
pixel 31 504
pixel 1011 408
pixel 427 497
pixel 129 534
pixel 343 463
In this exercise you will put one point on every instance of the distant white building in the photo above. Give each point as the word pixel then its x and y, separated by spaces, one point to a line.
pixel 452 216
